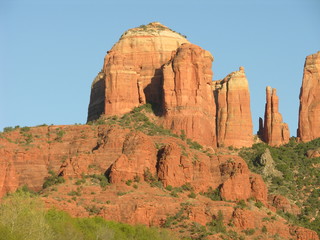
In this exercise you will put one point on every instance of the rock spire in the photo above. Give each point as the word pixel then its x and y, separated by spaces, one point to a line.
pixel 309 112
pixel 234 122
pixel 274 132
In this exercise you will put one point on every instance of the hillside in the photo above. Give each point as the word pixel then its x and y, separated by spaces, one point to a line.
pixel 74 173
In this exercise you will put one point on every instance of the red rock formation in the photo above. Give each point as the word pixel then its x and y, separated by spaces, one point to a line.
pixel 138 156
pixel 234 123
pixel 303 233
pixel 131 73
pixel 73 151
pixel 67 150
pixel 309 112
pixel 283 204
pixel 275 132
pixel 188 99
pixel 313 153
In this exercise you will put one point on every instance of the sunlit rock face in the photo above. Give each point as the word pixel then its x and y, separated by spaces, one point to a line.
pixel 131 73
pixel 234 122
pixel 275 132
pixel 309 112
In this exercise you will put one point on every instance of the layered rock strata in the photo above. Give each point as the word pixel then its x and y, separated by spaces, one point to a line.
pixel 309 112
pixel 131 73
pixel 187 96
pixel 275 132
pixel 234 122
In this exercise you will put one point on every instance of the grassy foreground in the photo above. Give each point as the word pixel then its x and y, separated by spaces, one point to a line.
pixel 23 217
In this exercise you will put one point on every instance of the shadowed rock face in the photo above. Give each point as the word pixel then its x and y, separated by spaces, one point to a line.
pixel 234 122
pixel 309 112
pixel 274 132
pixel 187 97
pixel 131 73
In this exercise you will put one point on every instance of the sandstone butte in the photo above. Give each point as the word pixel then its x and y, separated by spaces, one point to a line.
pixel 131 73
pixel 274 132
pixel 234 122
pixel 126 155
pixel 309 112
pixel 153 64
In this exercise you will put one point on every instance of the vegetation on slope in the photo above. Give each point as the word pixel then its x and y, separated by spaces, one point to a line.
pixel 301 178
pixel 23 216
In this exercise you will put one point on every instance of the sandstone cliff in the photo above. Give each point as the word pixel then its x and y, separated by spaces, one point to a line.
pixel 274 131
pixel 234 122
pixel 187 97
pixel 309 112
pixel 131 73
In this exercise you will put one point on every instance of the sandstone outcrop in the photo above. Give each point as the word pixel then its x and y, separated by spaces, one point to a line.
pixel 309 111
pixel 267 162
pixel 138 157
pixel 234 122
pixel 68 151
pixel 274 132
pixel 313 153
pixel 131 73
pixel 188 100
pixel 282 204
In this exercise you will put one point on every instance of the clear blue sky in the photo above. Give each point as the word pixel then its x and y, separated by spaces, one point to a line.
pixel 50 51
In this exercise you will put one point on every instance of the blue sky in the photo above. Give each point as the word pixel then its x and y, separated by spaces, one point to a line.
pixel 50 51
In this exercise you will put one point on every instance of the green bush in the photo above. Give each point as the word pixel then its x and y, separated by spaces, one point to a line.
pixel 259 204
pixel 241 204
pixel 52 179
pixel 216 225
pixel 213 194
pixel 264 229
pixel 192 195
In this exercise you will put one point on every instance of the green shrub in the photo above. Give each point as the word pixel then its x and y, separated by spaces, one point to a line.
pixel 52 179
pixel 241 204
pixel 259 204
pixel 8 129
pixel 213 194
pixel 264 229
pixel 216 225
pixel 249 232
pixel 128 182
pixel 187 187
pixel 192 195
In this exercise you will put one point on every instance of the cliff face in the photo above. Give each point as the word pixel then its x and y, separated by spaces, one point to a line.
pixel 187 97
pixel 274 132
pixel 234 122
pixel 131 73
pixel 309 112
